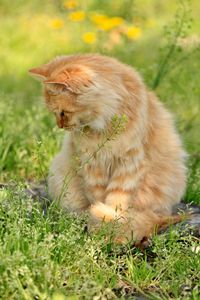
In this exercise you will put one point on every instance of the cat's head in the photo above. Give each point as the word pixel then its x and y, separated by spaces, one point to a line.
pixel 80 91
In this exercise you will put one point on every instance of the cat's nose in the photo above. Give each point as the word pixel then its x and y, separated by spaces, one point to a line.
pixel 62 114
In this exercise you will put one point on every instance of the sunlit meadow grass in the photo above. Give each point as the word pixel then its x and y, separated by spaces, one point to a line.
pixel 49 255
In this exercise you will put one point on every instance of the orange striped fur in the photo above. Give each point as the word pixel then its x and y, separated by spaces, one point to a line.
pixel 136 176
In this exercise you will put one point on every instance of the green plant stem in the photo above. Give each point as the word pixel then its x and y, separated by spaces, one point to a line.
pixel 163 66
pixel 71 173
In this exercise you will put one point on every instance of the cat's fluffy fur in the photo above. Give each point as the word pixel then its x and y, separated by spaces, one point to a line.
pixel 135 177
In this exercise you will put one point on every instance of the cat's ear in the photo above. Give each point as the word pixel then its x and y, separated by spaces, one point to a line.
pixel 39 73
pixel 73 79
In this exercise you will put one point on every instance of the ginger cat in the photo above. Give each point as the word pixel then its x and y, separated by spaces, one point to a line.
pixel 135 175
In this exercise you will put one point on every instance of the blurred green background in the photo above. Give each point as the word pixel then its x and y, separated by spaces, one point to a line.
pixel 159 38
pixel 51 256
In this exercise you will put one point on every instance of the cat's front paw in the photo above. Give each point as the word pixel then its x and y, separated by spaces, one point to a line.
pixel 102 212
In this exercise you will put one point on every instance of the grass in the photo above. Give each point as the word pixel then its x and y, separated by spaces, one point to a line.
pixel 49 255
pixel 46 255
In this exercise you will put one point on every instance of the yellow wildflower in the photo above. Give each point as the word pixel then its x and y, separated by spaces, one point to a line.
pixel 70 4
pixel 116 21
pixel 106 23
pixel 77 16
pixel 57 23
pixel 98 19
pixel 133 32
pixel 89 37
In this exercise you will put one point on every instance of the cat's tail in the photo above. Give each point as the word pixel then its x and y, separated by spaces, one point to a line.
pixel 136 225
